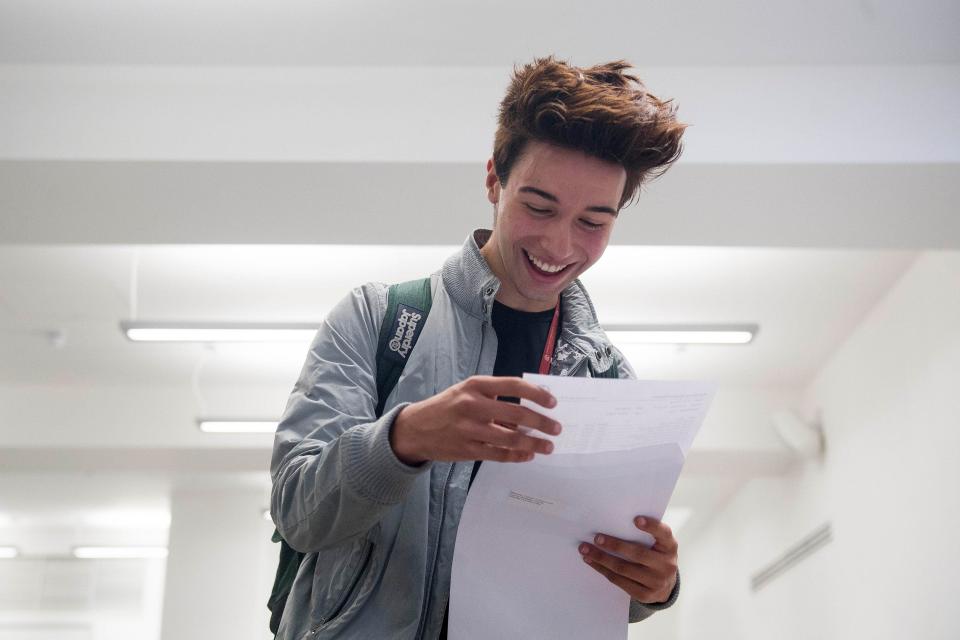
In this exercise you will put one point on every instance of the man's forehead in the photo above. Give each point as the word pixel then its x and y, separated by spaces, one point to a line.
pixel 567 174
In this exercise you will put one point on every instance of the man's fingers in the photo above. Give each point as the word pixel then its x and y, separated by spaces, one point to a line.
pixel 636 590
pixel 515 414
pixel 493 386
pixel 635 572
pixel 660 531
pixel 508 438
pixel 638 553
pixel 483 451
pixel 632 551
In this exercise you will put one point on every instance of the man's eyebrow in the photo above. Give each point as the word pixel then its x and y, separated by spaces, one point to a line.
pixel 549 196
pixel 539 192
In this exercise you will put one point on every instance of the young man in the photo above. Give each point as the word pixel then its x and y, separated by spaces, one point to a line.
pixel 374 501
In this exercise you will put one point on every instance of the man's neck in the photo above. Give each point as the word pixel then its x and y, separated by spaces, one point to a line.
pixel 518 303
pixel 507 295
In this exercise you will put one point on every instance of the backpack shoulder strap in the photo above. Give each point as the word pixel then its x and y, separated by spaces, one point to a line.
pixel 408 304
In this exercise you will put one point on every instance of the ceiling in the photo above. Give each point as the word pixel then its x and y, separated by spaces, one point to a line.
pixel 462 33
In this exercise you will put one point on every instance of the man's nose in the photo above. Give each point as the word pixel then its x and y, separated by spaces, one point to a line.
pixel 559 240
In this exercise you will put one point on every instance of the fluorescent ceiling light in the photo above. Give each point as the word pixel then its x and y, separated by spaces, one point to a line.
pixel 8 552
pixel 219 331
pixel 681 334
pixel 119 552
pixel 143 331
pixel 232 425
pixel 128 519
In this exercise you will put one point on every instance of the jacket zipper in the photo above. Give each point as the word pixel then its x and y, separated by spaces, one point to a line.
pixel 436 554
pixel 443 512
pixel 580 365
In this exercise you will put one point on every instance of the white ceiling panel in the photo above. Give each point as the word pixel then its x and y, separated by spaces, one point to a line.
pixel 431 32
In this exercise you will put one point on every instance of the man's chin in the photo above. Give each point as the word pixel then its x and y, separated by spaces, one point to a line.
pixel 545 297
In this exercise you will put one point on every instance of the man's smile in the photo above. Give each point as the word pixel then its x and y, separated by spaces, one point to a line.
pixel 544 267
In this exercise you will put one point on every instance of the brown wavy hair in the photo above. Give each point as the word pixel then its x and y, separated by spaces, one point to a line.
pixel 600 110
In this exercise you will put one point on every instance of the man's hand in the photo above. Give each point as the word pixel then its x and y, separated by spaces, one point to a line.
pixel 647 574
pixel 467 422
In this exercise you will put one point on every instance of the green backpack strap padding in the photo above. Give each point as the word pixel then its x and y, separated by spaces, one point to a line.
pixel 287 568
pixel 408 305
pixel 410 298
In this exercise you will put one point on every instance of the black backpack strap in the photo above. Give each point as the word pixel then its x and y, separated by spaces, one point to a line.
pixel 287 568
pixel 408 304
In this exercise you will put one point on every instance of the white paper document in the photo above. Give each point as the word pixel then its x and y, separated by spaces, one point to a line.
pixel 516 569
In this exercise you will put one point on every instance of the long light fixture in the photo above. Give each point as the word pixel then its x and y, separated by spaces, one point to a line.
pixel 128 519
pixel 145 331
pixel 7 553
pixel 116 553
pixel 236 425
pixel 631 334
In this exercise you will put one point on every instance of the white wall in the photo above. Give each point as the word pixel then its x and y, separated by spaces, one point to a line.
pixel 891 411
pixel 221 565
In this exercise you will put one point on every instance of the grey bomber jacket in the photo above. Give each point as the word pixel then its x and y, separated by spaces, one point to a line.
pixel 379 534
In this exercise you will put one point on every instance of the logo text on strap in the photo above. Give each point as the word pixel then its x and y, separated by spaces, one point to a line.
pixel 406 329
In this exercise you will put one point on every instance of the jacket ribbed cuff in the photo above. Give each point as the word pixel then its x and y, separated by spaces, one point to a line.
pixel 640 610
pixel 370 465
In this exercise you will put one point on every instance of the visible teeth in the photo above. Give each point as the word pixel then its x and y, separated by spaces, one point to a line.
pixel 543 266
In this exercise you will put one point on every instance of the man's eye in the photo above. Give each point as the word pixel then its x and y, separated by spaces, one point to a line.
pixel 590 225
pixel 536 210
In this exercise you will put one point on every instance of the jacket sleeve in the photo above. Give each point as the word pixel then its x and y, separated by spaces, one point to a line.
pixel 638 610
pixel 334 472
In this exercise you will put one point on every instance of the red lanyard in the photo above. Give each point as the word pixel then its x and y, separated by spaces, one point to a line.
pixel 551 342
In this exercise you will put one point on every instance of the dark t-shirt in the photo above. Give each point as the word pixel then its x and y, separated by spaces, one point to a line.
pixel 521 337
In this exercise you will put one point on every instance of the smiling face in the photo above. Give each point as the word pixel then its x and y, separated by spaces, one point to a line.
pixel 553 221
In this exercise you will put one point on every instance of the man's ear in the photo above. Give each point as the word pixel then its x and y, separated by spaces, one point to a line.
pixel 493 183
